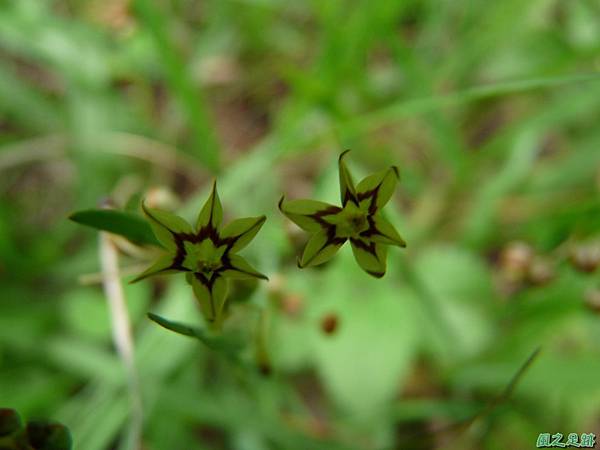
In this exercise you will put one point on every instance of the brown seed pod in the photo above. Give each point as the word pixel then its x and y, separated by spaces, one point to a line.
pixel 592 299
pixel 265 368
pixel 329 323
pixel 540 272
pixel 586 257
pixel 515 260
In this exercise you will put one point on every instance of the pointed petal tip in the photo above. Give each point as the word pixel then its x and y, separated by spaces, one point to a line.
pixel 280 203
pixel 146 209
pixel 401 243
pixel 396 171
pixel 375 274
pixel 137 279
pixel 344 153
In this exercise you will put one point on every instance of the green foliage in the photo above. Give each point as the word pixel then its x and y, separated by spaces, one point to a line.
pixel 228 345
pixel 128 225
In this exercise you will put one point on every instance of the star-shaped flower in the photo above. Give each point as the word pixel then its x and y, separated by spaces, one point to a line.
pixel 359 220
pixel 207 254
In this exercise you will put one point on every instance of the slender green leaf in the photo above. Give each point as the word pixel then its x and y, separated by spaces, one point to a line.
pixel 128 225
pixel 228 344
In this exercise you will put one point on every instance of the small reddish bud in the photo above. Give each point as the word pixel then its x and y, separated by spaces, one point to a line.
pixel 586 258
pixel 329 323
pixel 515 260
pixel 265 368
pixel 540 272
pixel 592 300
pixel 292 304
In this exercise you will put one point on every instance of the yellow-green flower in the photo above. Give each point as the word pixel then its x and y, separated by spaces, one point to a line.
pixel 358 220
pixel 206 253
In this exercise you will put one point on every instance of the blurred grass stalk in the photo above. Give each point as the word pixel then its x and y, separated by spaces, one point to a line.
pixel 179 81
pixel 121 330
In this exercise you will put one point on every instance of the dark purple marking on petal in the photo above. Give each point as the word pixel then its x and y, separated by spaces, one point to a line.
pixel 348 195
pixel 226 265
pixel 318 216
pixel 332 239
pixel 372 230
pixel 206 232
pixel 209 283
pixel 375 274
pixel 374 193
pixel 367 247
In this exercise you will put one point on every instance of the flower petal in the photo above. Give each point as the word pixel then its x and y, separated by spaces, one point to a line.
pixel 321 247
pixel 212 211
pixel 375 190
pixel 347 189
pixel 237 267
pixel 163 265
pixel 240 232
pixel 166 225
pixel 219 291
pixel 310 215
pixel 371 257
pixel 383 232
pixel 210 294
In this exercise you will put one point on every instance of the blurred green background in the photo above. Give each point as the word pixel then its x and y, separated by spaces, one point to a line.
pixel 490 110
